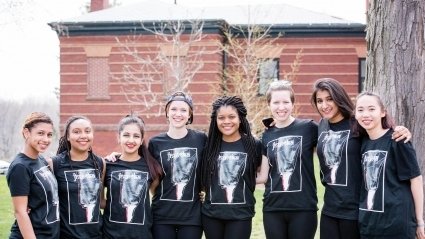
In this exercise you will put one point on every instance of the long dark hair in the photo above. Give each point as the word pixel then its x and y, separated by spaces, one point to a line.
pixel 154 168
pixel 386 121
pixel 213 145
pixel 338 94
pixel 65 145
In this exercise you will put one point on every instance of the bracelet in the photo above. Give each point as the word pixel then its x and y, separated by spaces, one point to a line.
pixel 420 224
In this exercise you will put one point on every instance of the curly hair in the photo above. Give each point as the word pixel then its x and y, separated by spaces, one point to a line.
pixel 34 118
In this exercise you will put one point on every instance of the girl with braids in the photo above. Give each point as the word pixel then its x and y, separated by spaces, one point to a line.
pixel 79 173
pixel 127 211
pixel 338 150
pixel 176 205
pixel 391 195
pixel 33 187
pixel 231 158
pixel 290 199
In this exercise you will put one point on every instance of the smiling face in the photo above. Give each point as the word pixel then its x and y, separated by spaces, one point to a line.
pixel 327 107
pixel 178 114
pixel 369 113
pixel 130 139
pixel 281 106
pixel 38 138
pixel 228 123
pixel 80 135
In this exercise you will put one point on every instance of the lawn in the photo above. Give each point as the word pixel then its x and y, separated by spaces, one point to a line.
pixel 6 213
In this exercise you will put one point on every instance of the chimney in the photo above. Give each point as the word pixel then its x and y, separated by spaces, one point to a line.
pixel 97 5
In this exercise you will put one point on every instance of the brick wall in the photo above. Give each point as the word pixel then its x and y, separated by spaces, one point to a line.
pixel 321 57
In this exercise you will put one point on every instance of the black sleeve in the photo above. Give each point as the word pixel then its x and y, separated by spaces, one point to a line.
pixel 19 180
pixel 406 161
pixel 314 131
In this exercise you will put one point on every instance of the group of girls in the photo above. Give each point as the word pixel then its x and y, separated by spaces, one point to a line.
pixel 373 185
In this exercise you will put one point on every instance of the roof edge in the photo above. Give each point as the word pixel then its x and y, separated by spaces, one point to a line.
pixel 210 26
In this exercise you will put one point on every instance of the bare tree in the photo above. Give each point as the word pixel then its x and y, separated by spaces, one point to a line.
pixel 252 64
pixel 172 63
pixel 396 62
pixel 12 115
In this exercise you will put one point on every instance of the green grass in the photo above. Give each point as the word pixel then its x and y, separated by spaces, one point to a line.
pixel 6 212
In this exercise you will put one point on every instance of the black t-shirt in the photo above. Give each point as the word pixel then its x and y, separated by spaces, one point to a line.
pixel 386 202
pixel 291 184
pixel 231 193
pixel 32 178
pixel 176 200
pixel 339 156
pixel 127 213
pixel 79 194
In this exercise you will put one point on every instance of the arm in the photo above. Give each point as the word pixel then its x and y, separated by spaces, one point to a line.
pixel 153 186
pixel 400 133
pixel 263 171
pixel 102 191
pixel 112 157
pixel 416 186
pixel 50 163
pixel 20 205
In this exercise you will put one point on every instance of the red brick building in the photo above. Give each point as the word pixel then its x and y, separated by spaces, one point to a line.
pixel 92 58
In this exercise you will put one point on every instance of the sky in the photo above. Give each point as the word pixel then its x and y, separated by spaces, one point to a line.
pixel 29 49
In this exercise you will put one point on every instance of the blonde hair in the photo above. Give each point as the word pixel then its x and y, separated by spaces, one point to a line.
pixel 280 85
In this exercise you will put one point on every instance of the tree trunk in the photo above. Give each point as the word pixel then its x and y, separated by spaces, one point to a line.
pixel 396 63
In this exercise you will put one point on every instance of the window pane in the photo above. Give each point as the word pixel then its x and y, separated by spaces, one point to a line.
pixel 268 72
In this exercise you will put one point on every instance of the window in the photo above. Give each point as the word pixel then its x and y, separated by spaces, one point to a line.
pixel 268 71
pixel 362 73
pixel 97 78
pixel 98 72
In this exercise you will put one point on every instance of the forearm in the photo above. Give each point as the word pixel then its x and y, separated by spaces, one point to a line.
pixel 153 186
pixel 416 186
pixel 263 171
pixel 25 225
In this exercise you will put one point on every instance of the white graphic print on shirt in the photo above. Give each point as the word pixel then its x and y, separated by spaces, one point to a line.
pixel 373 164
pixel 287 152
pixel 334 143
pixel 231 167
pixel 88 195
pixel 50 186
pixel 132 195
pixel 183 166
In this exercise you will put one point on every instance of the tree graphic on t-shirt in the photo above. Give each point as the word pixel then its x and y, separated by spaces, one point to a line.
pixel 133 185
pixel 230 168
pixel 50 185
pixel 88 191
pixel 333 144
pixel 373 162
pixel 183 165
pixel 287 152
